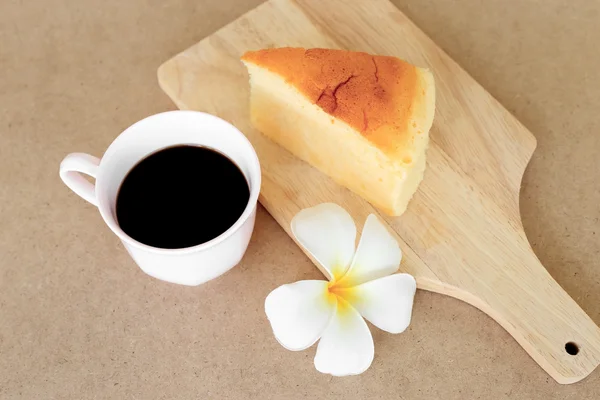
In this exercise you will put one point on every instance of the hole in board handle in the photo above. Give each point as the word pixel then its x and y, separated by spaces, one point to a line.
pixel 572 348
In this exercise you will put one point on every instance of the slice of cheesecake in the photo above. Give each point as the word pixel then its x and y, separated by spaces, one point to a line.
pixel 363 120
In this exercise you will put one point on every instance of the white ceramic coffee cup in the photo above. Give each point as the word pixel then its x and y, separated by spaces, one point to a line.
pixel 187 266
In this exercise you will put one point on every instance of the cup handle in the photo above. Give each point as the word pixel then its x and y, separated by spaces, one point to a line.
pixel 71 168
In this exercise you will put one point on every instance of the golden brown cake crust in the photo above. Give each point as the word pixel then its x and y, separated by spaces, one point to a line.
pixel 373 94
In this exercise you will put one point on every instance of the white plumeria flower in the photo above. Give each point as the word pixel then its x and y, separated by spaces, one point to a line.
pixel 361 285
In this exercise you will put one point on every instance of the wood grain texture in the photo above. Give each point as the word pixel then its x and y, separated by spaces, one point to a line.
pixel 462 233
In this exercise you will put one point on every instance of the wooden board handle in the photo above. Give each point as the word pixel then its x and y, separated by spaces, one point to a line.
pixel 542 317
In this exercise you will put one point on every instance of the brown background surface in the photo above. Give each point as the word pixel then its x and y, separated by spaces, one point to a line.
pixel 79 320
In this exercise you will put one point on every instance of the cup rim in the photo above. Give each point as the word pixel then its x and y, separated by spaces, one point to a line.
pixel 255 176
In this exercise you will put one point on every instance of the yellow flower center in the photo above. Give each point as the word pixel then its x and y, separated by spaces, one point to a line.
pixel 344 296
pixel 344 292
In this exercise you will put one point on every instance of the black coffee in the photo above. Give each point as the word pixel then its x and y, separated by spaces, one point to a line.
pixel 181 196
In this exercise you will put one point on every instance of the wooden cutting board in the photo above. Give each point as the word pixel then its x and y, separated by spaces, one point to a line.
pixel 462 233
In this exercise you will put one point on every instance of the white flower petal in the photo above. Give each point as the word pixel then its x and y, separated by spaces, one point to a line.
pixel 378 255
pixel 385 302
pixel 327 232
pixel 299 313
pixel 346 347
